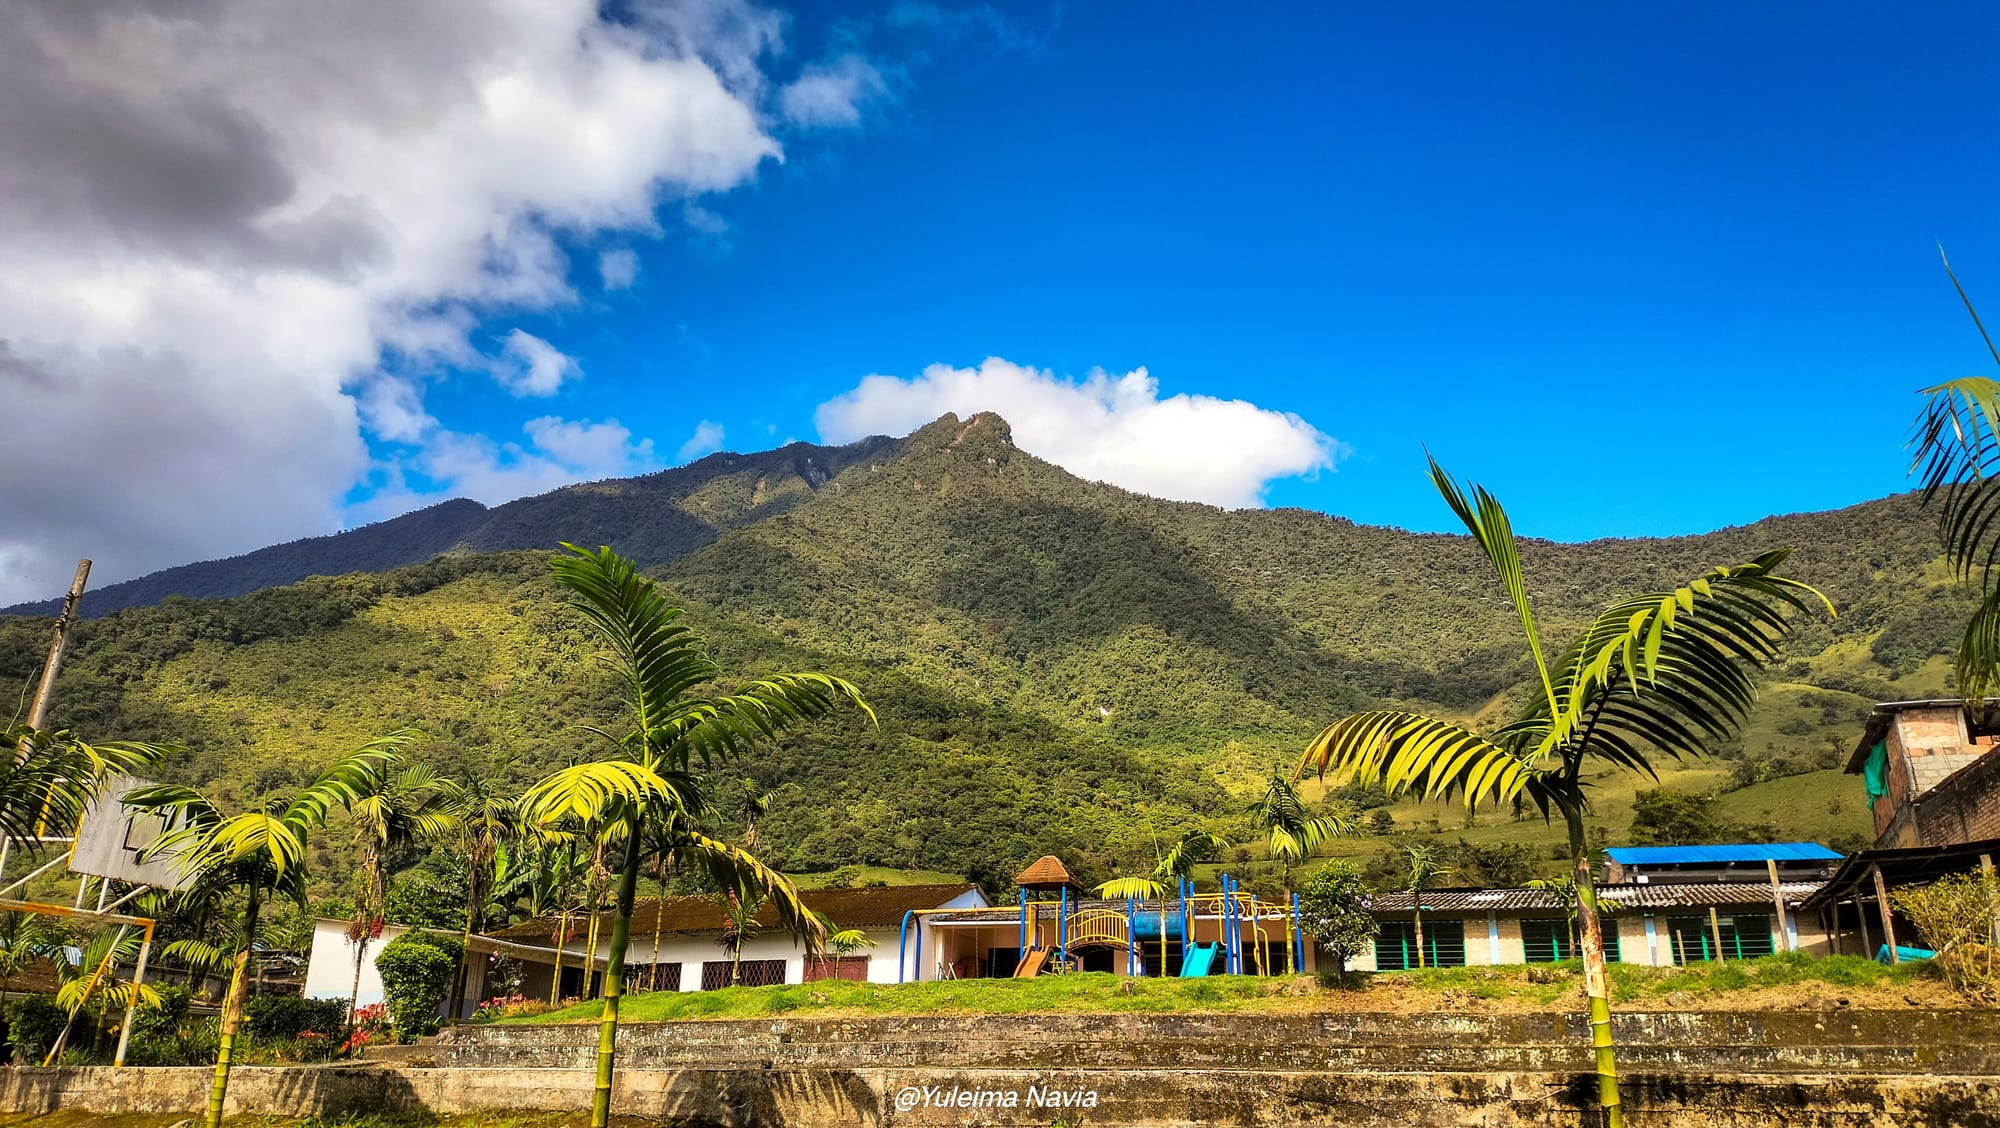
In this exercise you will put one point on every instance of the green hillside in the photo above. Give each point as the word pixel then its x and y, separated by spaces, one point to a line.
pixel 1059 665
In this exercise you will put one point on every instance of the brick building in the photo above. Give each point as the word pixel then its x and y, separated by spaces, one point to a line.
pixel 1931 771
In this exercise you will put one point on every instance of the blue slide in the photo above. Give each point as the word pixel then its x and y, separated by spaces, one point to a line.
pixel 1199 958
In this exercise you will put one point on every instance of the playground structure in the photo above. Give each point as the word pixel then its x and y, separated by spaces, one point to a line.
pixel 1227 932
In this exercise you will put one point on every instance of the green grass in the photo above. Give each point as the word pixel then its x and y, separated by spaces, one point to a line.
pixel 1539 985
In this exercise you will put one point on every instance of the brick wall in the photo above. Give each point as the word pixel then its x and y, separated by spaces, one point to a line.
pixel 1964 808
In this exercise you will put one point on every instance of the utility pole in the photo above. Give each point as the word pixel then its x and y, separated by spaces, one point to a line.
pixel 45 689
pixel 38 709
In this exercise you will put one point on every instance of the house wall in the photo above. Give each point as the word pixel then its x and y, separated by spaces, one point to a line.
pixel 1963 808
pixel 330 967
pixel 1925 746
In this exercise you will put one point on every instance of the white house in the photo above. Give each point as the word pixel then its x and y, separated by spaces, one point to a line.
pixel 675 946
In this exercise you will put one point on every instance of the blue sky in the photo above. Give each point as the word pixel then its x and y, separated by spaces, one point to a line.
pixel 1585 252
pixel 1639 269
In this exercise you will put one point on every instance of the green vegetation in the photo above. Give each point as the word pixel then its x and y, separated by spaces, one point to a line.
pixel 1666 674
pixel 644 797
pixel 417 971
pixel 1550 986
pixel 1059 666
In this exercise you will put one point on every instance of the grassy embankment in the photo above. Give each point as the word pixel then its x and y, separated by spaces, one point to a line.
pixel 1775 982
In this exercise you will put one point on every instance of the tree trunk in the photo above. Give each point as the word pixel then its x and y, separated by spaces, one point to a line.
pixel 360 957
pixel 614 980
pixel 659 922
pixel 1417 914
pixel 562 937
pixel 232 1011
pixel 474 897
pixel 1596 979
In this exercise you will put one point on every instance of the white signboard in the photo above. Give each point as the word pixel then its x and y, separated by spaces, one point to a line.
pixel 110 838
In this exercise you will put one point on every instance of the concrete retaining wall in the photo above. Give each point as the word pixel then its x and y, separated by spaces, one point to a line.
pixel 1870 1069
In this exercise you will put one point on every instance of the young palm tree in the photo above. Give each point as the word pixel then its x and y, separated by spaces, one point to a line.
pixel 1425 867
pixel 1177 865
pixel 1667 673
pixel 739 928
pixel 672 728
pixel 484 825
pixel 262 853
pixel 1958 453
pixel 91 985
pixel 1291 829
pixel 399 810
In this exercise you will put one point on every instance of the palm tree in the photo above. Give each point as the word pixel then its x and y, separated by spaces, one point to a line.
pixel 1958 451
pixel 1292 830
pixel 1425 867
pixel 484 824
pixel 1177 863
pixel 398 811
pixel 91 984
pixel 261 852
pixel 24 938
pixel 739 927
pixel 662 664
pixel 48 777
pixel 1667 673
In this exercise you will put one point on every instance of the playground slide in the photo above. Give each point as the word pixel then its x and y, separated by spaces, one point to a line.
pixel 1032 964
pixel 1199 958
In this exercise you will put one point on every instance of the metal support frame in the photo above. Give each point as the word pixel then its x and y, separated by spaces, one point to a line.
pixel 124 922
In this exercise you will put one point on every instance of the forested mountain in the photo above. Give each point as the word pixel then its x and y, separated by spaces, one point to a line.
pixel 1059 665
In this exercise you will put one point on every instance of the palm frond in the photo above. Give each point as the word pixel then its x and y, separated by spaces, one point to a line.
pixel 1494 533
pixel 658 658
pixel 710 730
pixel 1409 753
pixel 1136 888
pixel 735 870
pixel 601 792
pixel 1669 671
pixel 1194 847
pixel 48 778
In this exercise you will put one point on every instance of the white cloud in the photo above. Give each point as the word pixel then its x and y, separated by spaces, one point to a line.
pixel 558 452
pixel 217 224
pixel 618 269
pixel 707 439
pixel 1109 428
pixel 830 95
pixel 531 366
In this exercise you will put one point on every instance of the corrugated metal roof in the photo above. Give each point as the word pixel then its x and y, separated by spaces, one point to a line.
pixel 880 906
pixel 1624 895
pixel 1718 855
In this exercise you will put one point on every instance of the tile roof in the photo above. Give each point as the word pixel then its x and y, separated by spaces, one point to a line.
pixel 1715 855
pixel 880 906
pixel 1046 870
pixel 1656 895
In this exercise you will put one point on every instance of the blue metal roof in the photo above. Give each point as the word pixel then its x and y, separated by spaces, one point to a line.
pixel 1718 855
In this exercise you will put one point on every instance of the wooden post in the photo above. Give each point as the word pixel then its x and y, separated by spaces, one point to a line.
pixel 1715 930
pixel 45 689
pixel 1888 921
pixel 1778 902
pixel 1867 945
pixel 1992 903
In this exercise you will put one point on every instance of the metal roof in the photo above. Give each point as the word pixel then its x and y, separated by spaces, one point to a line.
pixel 1719 855
pixel 1626 896
pixel 1914 865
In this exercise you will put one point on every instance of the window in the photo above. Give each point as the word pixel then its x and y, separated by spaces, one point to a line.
pixel 654 977
pixel 854 969
pixel 1546 941
pixel 751 973
pixel 1396 947
pixel 1744 936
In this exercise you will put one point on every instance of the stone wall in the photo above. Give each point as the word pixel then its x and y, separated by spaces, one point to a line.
pixel 1805 1069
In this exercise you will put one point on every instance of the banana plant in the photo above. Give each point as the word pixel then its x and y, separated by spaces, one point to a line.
pixel 261 852
pixel 671 728
pixel 1957 440
pixel 1668 673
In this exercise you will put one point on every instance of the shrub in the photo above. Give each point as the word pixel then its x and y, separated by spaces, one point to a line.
pixel 288 1016
pixel 34 1022
pixel 1955 915
pixel 1333 907
pixel 417 970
